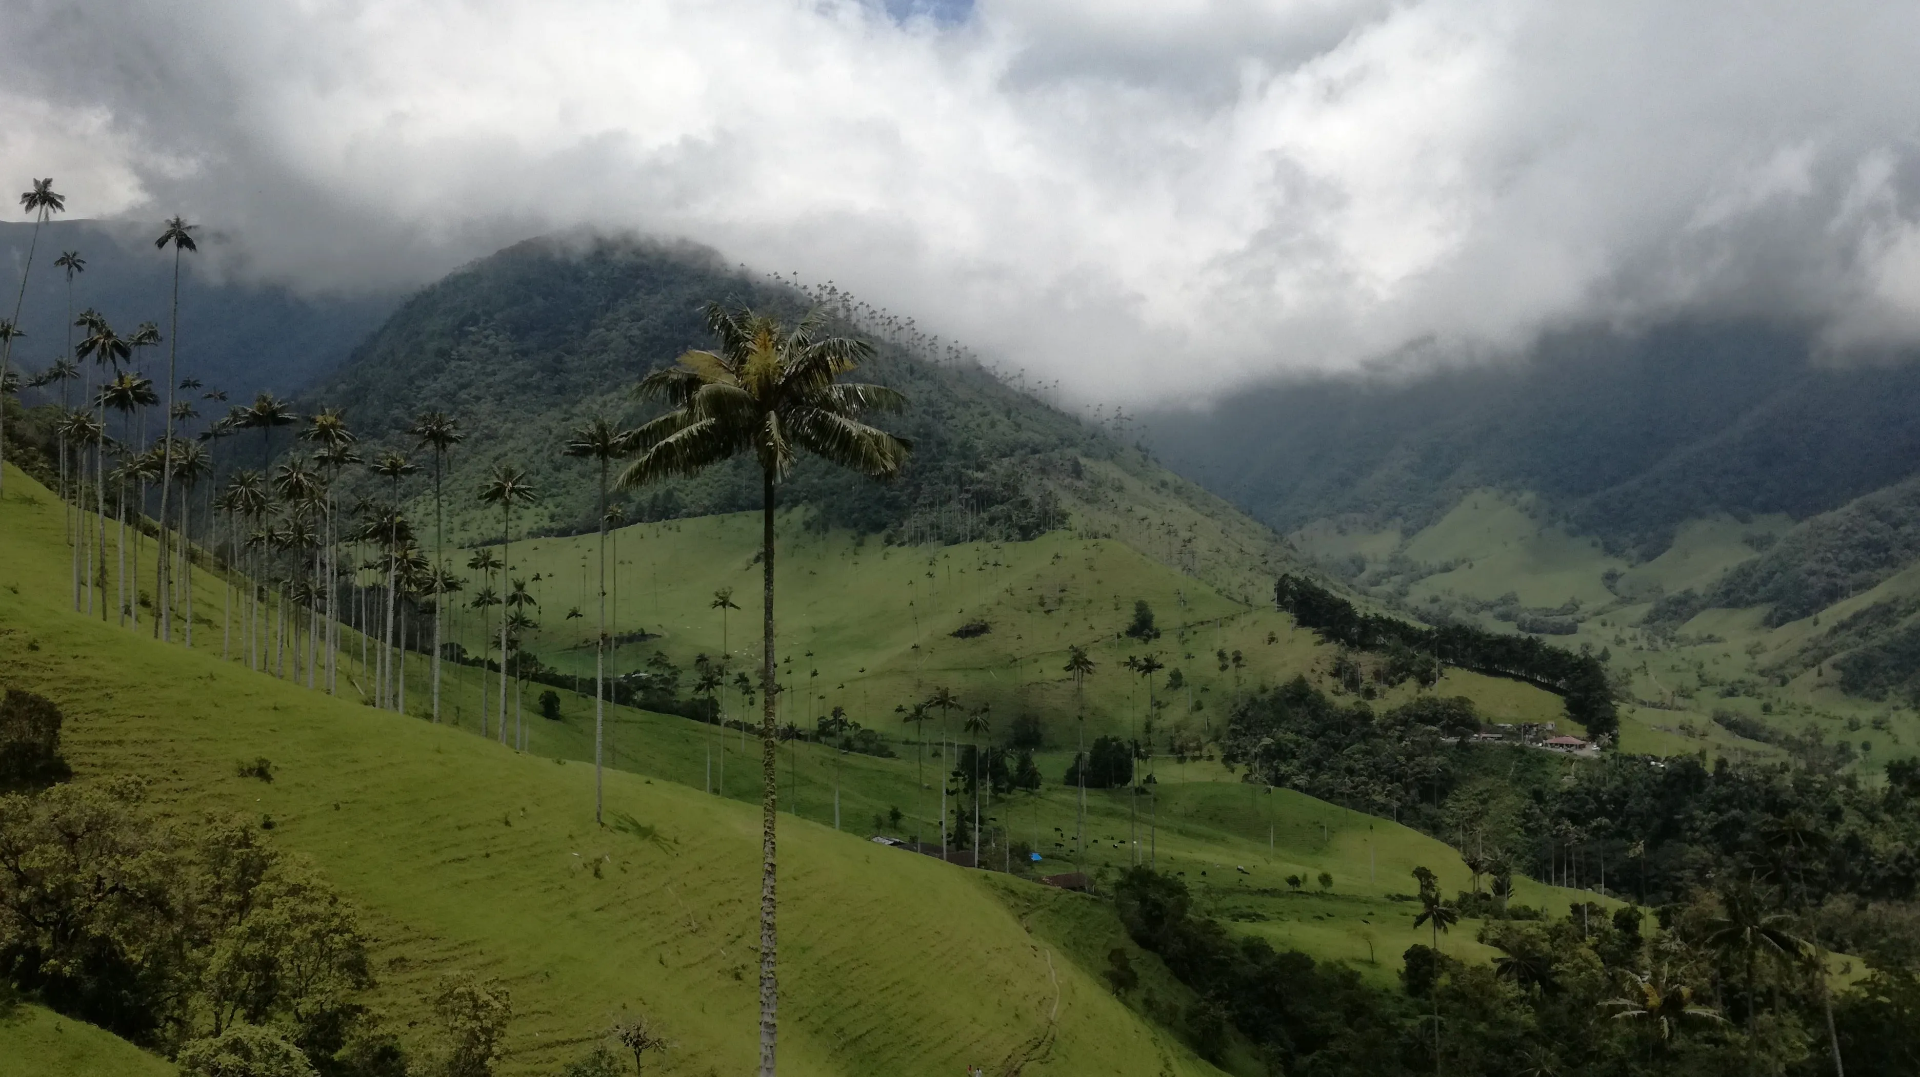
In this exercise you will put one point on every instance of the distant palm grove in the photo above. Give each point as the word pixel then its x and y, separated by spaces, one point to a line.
pixel 1715 947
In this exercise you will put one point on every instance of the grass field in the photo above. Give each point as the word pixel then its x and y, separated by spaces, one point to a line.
pixel 463 854
pixel 36 1042
pixel 1492 544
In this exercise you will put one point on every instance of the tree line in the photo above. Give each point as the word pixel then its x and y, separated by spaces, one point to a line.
pixel 1579 679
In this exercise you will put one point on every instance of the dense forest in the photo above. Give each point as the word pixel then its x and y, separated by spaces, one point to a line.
pixel 1739 879
pixel 531 341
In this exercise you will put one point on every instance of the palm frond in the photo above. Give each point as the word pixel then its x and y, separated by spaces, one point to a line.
pixel 673 386
pixel 683 454
pixel 850 443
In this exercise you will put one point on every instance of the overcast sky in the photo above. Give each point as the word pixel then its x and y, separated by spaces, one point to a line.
pixel 1139 197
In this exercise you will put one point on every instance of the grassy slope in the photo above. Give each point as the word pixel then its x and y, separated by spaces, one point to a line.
pixel 1490 544
pixel 464 854
pixel 36 1042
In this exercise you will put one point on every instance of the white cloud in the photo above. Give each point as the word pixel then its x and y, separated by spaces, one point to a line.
pixel 1101 191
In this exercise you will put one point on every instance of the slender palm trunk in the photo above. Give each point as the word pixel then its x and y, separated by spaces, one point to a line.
pixel 120 581
pixel 186 561
pixel 600 650
pixel 163 619
pixel 769 792
pixel 506 569
pixel 6 347
pixel 387 653
pixel 439 565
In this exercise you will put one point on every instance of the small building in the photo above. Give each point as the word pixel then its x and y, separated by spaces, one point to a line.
pixel 1566 744
pixel 1076 881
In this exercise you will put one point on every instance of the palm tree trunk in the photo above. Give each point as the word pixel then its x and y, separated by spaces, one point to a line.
pixel 600 650
pixel 6 347
pixel 186 561
pixel 163 619
pixel 506 569
pixel 387 653
pixel 769 790
pixel 120 581
pixel 439 559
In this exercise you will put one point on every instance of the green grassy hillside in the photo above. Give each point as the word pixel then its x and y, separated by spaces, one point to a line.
pixel 1502 561
pixel 463 854
pixel 36 1042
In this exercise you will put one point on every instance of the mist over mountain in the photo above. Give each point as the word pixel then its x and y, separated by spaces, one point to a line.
pixel 1625 435
pixel 235 335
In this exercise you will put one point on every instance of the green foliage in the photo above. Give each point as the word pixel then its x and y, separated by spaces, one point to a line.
pixel 165 935
pixel 543 335
pixel 1141 628
pixel 245 1051
pixel 1578 678
pixel 601 1061
pixel 470 1020
pixel 30 742
pixel 1109 765
pixel 550 705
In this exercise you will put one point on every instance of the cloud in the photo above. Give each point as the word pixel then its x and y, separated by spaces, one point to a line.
pixel 1146 199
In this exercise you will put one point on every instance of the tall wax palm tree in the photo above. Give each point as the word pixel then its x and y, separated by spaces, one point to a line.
pixel 191 463
pixel 772 392
pixel 246 499
pixel 485 562
pixel 72 264
pixel 126 393
pixel 976 724
pixel 506 487
pixel 393 467
pixel 80 429
pixel 1745 930
pixel 706 686
pixel 437 431
pixel 304 492
pixel 178 233
pixel 328 428
pixel 266 412
pixel 1080 667
pixel 599 441
pixel 946 703
pixel 146 335
pixel 40 203
pixel 108 350
pixel 917 714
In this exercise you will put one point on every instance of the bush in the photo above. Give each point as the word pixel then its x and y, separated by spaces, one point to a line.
pixel 244 1051
pixel 472 1016
pixel 550 705
pixel 1108 766
pixel 261 768
pixel 1142 627
pixel 30 742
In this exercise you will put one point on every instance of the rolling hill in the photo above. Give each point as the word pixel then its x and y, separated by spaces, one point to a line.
pixel 461 853
pixel 522 346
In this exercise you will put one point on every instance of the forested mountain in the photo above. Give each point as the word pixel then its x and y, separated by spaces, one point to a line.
pixel 1625 436
pixel 523 346
pixel 236 336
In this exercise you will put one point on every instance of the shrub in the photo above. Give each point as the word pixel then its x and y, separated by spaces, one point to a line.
pixel 550 705
pixel 1109 765
pixel 261 768
pixel 244 1051
pixel 472 1016
pixel 1142 627
pixel 30 742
